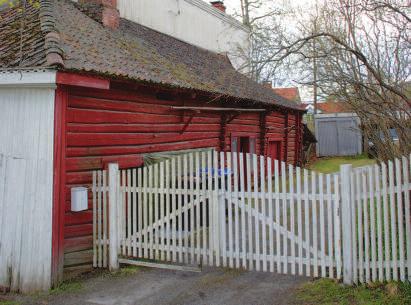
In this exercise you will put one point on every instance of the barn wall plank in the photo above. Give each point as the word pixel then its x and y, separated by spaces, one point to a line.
pixel 119 125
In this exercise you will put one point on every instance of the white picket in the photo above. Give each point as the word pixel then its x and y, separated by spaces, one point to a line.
pixel 393 220
pixel 222 211
pixel 145 210
pixel 400 218
pixel 292 215
pixel 300 221
pixel 230 210
pixel 174 208
pixel 128 215
pixel 95 240
pixel 256 219
pixel 203 207
pixel 366 226
pixel 378 194
pixel 212 225
pixel 236 216
pixel 104 218
pixel 99 219
pixel 270 213
pixel 406 168
pixel 140 212
pixel 134 217
pixel 180 208
pixel 386 217
pixel 243 225
pixel 196 211
pixel 330 227
pixel 307 223
pixel 277 213
pixel 284 216
pixel 161 229
pixel 263 211
pixel 322 224
pixel 250 215
pixel 314 222
pixel 169 220
pixel 191 223
pixel 215 210
pixel 372 225
pixel 337 227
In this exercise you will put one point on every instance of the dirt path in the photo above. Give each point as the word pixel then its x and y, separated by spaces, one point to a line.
pixel 158 287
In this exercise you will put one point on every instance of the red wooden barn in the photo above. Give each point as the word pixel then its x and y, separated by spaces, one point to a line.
pixel 121 90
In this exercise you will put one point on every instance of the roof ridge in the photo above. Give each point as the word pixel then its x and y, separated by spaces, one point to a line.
pixel 54 53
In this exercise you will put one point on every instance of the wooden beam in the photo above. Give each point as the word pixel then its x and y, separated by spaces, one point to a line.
pixel 232 117
pixel 286 131
pixel 223 131
pixel 57 247
pixel 72 79
pixel 160 266
pixel 187 123
pixel 263 133
pixel 219 109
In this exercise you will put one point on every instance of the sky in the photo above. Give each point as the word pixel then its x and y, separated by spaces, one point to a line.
pixel 233 5
pixel 301 5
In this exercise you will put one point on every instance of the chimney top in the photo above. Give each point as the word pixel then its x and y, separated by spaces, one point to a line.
pixel 103 11
pixel 219 5
pixel 267 84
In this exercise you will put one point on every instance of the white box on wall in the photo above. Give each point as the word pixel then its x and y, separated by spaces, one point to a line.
pixel 79 199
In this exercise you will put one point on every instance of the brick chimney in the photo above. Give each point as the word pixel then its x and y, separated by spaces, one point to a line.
pixel 268 84
pixel 219 5
pixel 103 11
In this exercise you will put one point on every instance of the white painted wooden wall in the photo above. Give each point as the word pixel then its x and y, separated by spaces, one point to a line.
pixel 192 21
pixel 26 183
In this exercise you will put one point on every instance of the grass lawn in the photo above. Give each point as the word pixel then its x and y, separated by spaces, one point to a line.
pixel 332 165
pixel 328 292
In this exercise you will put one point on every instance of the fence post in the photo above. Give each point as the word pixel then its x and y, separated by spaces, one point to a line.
pixel 346 212
pixel 113 188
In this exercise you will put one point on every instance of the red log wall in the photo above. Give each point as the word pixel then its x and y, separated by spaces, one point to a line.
pixel 103 126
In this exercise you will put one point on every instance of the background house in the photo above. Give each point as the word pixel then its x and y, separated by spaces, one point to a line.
pixel 83 87
pixel 292 93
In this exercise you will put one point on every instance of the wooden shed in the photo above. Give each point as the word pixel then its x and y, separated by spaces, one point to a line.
pixel 117 90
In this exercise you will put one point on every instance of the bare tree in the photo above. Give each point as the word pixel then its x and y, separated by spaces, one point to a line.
pixel 363 57
pixel 263 18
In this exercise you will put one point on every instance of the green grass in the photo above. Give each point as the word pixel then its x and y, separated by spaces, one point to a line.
pixel 67 287
pixel 332 165
pixel 328 292
pixel 9 302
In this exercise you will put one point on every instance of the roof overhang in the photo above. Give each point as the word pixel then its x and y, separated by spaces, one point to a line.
pixel 28 78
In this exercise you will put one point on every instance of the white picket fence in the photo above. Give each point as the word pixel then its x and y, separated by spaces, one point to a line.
pixel 250 212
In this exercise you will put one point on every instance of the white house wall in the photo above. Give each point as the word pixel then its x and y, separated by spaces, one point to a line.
pixel 26 183
pixel 193 21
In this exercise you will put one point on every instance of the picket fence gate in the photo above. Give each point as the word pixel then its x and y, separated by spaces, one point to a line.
pixel 250 212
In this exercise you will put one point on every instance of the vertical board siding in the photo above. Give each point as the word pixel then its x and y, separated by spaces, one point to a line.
pixel 26 188
pixel 117 126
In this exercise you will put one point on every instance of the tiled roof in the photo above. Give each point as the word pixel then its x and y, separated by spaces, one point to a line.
pixel 22 43
pixel 330 107
pixel 334 107
pixel 291 94
pixel 59 29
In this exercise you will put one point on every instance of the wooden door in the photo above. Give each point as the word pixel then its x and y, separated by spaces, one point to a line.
pixel 274 150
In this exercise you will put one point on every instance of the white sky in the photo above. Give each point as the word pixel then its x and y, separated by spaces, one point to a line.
pixel 298 5
pixel 235 4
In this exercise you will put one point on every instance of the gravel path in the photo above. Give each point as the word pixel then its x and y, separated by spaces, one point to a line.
pixel 158 287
